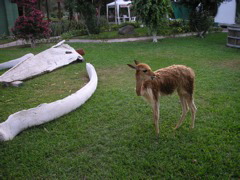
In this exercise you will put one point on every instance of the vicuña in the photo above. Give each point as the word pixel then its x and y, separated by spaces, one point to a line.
pixel 151 85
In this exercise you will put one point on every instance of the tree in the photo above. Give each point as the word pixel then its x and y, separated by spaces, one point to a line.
pixel 31 26
pixel 152 13
pixel 70 7
pixel 89 11
pixel 202 13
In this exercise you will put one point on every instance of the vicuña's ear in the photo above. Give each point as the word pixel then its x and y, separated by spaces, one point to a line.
pixel 132 66
pixel 136 62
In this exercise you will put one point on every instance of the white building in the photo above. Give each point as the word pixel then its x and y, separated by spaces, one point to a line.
pixel 226 13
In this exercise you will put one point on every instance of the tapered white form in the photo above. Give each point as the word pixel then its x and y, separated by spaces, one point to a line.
pixel 43 113
pixel 46 61
pixel 14 62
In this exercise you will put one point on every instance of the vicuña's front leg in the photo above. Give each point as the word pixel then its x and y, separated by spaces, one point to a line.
pixel 155 106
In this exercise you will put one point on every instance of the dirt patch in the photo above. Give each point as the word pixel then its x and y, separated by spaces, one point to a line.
pixel 116 76
pixel 232 64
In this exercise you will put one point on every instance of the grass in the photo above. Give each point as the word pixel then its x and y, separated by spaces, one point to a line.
pixel 112 135
pixel 4 41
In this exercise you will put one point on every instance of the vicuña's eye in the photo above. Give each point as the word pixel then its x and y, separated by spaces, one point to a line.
pixel 144 71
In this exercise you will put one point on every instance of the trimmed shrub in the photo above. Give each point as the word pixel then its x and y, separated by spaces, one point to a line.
pixel 31 26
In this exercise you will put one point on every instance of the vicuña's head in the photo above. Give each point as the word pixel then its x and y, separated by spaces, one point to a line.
pixel 143 71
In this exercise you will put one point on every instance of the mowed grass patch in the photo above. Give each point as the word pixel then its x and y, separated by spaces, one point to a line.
pixel 112 135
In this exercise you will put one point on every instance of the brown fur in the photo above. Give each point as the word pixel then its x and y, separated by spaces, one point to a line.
pixel 165 81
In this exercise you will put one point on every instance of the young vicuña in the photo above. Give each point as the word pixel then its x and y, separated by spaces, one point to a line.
pixel 151 85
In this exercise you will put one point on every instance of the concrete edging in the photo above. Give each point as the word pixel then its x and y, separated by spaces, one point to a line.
pixel 129 39
pixel 22 42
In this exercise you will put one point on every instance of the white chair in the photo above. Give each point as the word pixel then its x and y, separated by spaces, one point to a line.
pixel 133 19
pixel 125 17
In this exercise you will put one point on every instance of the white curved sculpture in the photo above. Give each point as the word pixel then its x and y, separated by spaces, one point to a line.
pixel 14 62
pixel 43 113
pixel 57 56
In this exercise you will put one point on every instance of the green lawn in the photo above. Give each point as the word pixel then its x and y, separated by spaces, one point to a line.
pixel 4 41
pixel 112 135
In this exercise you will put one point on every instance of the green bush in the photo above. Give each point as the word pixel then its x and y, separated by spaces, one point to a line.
pixel 3 36
pixel 92 25
pixel 104 25
pixel 201 21
pixel 179 26
pixel 64 26
pixel 175 26
pixel 74 33
pixel 135 24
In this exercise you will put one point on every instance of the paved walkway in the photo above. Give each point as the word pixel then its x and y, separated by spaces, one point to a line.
pixel 20 42
pixel 14 43
pixel 128 39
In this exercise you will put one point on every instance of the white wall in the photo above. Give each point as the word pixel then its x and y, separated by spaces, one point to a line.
pixel 226 12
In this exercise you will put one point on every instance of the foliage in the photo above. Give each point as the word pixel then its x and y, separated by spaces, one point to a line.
pixel 104 24
pixel 26 3
pixel 92 25
pixel 175 26
pixel 115 27
pixel 112 136
pixel 202 13
pixel 64 26
pixel 152 13
pixel 135 24
pixel 210 6
pixel 73 33
pixel 201 21
pixel 70 6
pixel 5 38
pixel 87 12
pixel 110 31
pixel 31 26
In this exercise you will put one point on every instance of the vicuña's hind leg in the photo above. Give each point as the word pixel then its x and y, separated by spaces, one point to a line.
pixel 184 111
pixel 193 110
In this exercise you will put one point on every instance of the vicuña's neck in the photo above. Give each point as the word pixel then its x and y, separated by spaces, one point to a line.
pixel 139 83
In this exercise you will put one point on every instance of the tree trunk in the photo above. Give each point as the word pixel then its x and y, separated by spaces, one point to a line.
pixel 70 14
pixel 23 9
pixel 154 34
pixel 33 43
pixel 59 10
pixel 85 24
pixel 98 14
pixel 47 10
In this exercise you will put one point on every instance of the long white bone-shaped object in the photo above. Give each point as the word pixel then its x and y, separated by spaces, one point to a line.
pixel 14 62
pixel 43 113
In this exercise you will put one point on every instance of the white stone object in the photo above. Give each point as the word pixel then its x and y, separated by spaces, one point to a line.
pixel 46 61
pixel 14 62
pixel 46 112
pixel 16 83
